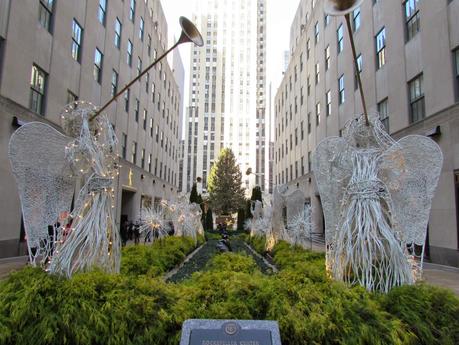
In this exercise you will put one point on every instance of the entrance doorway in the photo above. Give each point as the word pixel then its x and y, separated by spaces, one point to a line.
pixel 127 205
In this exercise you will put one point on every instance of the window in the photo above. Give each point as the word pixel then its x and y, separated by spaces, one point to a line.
pixel 129 53
pixel 417 107
pixel 141 28
pixel 326 20
pixel 456 70
pixel 412 18
pixel 98 60
pixel 302 130
pixel 327 58
pixel 316 32
pixel 309 123
pixel 37 90
pixel 317 113
pixel 127 96
pixel 134 152
pixel 123 146
pixel 356 19
pixel 309 85
pixel 114 83
pixel 149 45
pixel 341 89
pixel 101 12
pixel 136 110
pixel 340 38
pixel 317 70
pixel 139 65
pixel 309 161
pixel 328 100
pixel 381 48
pixel 145 118
pixel 118 28
pixel 359 61
pixel 301 62
pixel 45 13
pixel 77 35
pixel 142 159
pixel 151 127
pixel 308 48
pixel 383 115
pixel 132 10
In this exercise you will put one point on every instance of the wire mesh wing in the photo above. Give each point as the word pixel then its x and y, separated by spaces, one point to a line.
pixel 43 176
pixel 410 169
pixel 332 171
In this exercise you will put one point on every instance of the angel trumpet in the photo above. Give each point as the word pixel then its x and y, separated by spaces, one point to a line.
pixel 344 8
pixel 341 7
pixel 189 34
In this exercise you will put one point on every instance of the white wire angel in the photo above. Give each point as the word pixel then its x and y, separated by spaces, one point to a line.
pixel 376 195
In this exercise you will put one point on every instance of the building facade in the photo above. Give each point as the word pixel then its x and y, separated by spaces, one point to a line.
pixel 408 58
pixel 227 91
pixel 53 52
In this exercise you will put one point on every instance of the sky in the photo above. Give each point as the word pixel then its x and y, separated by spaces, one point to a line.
pixel 280 14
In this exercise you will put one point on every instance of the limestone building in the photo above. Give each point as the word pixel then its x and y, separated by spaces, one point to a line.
pixel 55 51
pixel 227 91
pixel 408 57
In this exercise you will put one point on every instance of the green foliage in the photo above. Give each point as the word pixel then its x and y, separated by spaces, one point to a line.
pixel 224 184
pixel 194 197
pixel 256 194
pixel 160 257
pixel 137 307
pixel 248 209
pixel 209 224
pixel 240 219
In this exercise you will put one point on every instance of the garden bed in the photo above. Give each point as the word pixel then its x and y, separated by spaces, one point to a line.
pixel 138 307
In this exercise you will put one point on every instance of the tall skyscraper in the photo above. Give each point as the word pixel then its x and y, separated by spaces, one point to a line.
pixel 227 90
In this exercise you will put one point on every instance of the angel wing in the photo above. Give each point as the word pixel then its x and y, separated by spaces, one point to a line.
pixel 43 176
pixel 332 172
pixel 410 169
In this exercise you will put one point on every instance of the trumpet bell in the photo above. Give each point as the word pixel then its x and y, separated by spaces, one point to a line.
pixel 189 32
pixel 340 7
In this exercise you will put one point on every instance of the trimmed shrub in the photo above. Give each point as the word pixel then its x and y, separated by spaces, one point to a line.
pixel 138 307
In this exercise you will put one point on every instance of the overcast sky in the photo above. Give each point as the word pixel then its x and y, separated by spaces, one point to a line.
pixel 280 15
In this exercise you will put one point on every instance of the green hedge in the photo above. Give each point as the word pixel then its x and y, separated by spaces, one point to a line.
pixel 132 308
pixel 157 258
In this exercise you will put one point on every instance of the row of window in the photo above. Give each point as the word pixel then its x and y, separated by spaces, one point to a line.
pixel 416 103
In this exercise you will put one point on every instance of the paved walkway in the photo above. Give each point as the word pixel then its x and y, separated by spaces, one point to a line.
pixel 438 275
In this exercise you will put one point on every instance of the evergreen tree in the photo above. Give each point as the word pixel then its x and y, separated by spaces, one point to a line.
pixel 256 194
pixel 240 219
pixel 248 209
pixel 224 184
pixel 194 195
pixel 209 220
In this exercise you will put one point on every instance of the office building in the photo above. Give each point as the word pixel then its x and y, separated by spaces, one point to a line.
pixel 53 52
pixel 227 91
pixel 408 59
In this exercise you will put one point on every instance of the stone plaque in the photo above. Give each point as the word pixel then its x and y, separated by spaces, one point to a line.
pixel 230 332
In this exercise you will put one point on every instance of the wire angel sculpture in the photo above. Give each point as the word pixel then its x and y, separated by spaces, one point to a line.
pixel 301 227
pixel 376 196
pixel 260 223
pixel 287 206
pixel 153 223
pixel 88 150
pixel 185 217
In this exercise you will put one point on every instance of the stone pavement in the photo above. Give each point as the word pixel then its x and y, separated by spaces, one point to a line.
pixel 443 276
